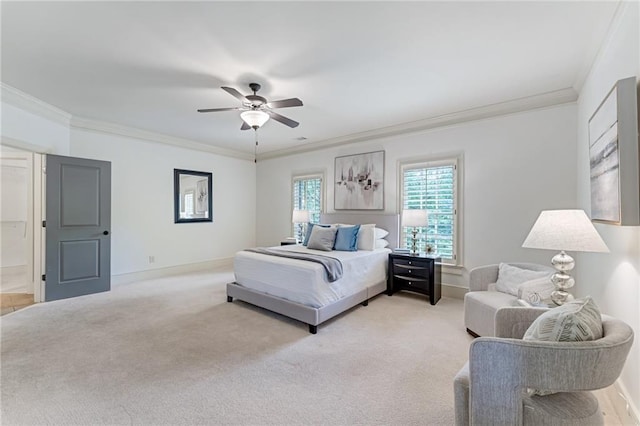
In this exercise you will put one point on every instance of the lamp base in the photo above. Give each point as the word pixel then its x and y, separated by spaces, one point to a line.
pixel 414 249
pixel 560 297
pixel 563 263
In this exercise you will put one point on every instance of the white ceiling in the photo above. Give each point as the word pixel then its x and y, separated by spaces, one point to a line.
pixel 357 66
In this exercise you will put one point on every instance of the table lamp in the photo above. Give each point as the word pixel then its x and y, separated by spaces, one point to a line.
pixel 562 230
pixel 414 218
pixel 300 217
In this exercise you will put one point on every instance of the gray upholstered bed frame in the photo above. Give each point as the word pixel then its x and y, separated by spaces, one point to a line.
pixel 315 316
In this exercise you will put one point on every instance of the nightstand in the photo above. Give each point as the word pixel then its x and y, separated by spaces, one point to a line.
pixel 418 273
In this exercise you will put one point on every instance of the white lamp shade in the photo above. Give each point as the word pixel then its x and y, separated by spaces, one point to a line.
pixel 568 230
pixel 414 217
pixel 300 216
pixel 254 118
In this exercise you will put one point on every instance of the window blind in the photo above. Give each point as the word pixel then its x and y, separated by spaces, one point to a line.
pixel 432 188
pixel 307 195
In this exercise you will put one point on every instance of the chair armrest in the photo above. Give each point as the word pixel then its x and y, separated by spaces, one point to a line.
pixel 502 369
pixel 481 276
pixel 513 321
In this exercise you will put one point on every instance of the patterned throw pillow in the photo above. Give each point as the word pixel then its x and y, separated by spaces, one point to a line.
pixel 538 289
pixel 575 321
pixel 510 277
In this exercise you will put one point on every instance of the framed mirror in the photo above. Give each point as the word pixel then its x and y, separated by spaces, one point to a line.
pixel 192 196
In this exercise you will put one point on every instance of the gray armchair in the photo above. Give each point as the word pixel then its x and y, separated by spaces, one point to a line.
pixel 491 389
pixel 481 304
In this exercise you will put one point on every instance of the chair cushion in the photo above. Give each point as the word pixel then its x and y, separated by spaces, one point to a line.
pixel 562 408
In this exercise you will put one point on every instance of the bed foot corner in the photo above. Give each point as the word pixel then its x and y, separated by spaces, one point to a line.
pixel 229 299
pixel 365 303
pixel 313 329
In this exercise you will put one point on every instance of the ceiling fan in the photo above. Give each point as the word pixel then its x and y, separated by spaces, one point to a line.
pixel 256 110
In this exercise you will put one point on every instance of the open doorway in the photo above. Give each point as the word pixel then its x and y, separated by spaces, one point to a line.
pixel 18 252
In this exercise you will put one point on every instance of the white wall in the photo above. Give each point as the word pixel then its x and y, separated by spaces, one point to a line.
pixel 26 130
pixel 142 202
pixel 612 279
pixel 514 167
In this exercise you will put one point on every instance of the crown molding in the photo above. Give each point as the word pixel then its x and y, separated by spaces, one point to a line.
pixel 131 132
pixel 26 102
pixel 587 69
pixel 21 100
pixel 31 104
pixel 543 100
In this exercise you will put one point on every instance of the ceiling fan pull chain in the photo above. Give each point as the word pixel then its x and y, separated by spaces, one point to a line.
pixel 255 149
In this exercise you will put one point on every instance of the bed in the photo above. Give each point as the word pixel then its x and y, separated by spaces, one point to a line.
pixel 301 290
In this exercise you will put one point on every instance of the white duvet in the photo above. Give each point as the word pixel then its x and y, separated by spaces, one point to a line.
pixel 306 282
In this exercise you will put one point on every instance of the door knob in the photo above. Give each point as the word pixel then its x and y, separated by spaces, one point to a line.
pixel 106 232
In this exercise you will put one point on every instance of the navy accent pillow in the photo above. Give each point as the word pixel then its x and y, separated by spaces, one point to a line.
pixel 309 229
pixel 347 238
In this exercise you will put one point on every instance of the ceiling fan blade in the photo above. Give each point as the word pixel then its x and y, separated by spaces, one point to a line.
pixel 282 119
pixel 245 126
pixel 219 109
pixel 285 103
pixel 233 92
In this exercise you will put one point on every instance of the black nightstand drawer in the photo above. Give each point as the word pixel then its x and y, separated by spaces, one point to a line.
pixel 410 261
pixel 409 282
pixel 414 269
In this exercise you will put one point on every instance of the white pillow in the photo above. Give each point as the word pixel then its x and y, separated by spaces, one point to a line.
pixel 510 277
pixel 379 233
pixel 381 243
pixel 366 237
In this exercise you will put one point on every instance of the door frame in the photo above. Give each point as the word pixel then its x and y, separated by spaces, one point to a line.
pixel 35 197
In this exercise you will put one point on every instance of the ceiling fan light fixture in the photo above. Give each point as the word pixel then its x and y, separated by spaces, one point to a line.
pixel 254 118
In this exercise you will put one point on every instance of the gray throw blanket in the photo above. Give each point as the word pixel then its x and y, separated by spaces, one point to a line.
pixel 332 266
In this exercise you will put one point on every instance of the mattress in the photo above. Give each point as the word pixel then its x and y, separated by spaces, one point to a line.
pixel 306 282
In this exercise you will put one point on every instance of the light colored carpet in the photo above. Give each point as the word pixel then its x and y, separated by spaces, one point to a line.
pixel 173 351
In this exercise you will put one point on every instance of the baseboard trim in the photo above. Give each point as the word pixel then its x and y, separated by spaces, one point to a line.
pixel 454 291
pixel 624 405
pixel 172 270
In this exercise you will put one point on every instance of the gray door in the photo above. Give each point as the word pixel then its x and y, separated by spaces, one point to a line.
pixel 78 222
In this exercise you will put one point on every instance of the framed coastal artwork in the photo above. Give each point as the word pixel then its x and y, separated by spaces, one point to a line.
pixel 359 182
pixel 604 161
pixel 614 156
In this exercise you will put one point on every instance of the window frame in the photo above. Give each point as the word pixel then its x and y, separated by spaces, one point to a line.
pixel 306 176
pixel 455 159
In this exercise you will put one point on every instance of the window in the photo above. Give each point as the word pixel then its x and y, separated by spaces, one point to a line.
pixel 188 203
pixel 307 195
pixel 433 186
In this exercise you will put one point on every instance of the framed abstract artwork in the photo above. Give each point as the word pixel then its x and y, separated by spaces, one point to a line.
pixel 359 182
pixel 613 157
